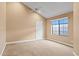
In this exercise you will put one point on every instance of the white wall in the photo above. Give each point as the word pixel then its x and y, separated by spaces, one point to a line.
pixel 76 28
pixel 21 22
pixel 2 26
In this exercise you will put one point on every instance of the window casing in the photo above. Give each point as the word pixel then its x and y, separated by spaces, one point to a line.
pixel 60 26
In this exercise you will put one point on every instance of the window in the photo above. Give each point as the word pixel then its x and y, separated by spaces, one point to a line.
pixel 59 26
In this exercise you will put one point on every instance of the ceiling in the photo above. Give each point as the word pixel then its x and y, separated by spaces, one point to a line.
pixel 50 9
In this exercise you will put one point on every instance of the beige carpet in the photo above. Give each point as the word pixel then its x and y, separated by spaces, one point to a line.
pixel 38 48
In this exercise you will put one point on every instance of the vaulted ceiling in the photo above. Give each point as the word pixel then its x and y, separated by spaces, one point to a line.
pixel 50 9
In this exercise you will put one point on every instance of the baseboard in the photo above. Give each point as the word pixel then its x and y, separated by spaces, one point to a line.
pixel 15 42
pixel 21 41
pixel 74 53
pixel 62 43
pixel 3 50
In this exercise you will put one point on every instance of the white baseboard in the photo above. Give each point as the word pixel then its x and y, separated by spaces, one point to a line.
pixel 15 42
pixel 61 42
pixel 3 50
pixel 21 41
pixel 74 53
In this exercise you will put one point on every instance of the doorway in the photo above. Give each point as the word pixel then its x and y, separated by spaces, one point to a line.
pixel 39 30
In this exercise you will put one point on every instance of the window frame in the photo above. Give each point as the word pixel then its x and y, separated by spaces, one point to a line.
pixel 59 28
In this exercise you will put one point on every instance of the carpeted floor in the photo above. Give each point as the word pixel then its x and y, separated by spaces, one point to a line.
pixel 38 48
